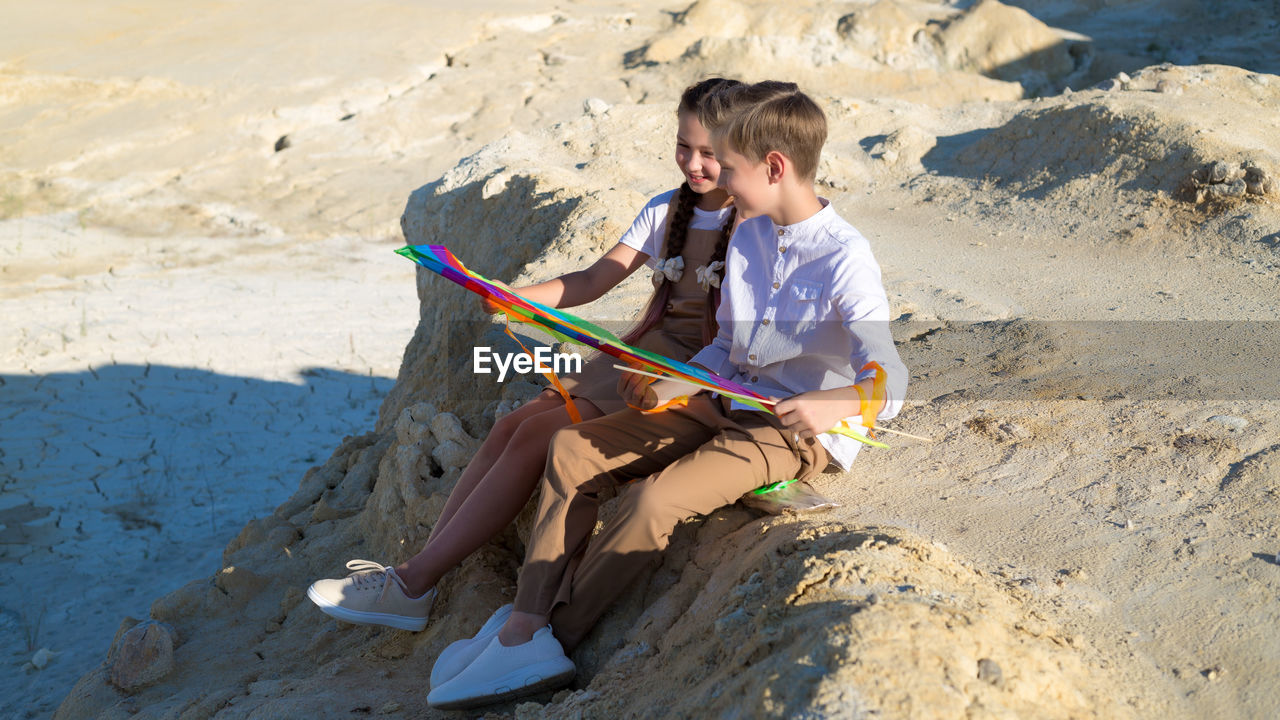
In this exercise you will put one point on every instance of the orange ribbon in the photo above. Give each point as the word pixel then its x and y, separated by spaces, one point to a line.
pixel 574 415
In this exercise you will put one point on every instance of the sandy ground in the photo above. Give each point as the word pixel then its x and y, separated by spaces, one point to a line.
pixel 200 301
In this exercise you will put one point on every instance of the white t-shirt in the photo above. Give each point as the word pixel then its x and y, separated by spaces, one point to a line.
pixel 649 229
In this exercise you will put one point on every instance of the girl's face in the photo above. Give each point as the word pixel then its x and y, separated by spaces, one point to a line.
pixel 694 155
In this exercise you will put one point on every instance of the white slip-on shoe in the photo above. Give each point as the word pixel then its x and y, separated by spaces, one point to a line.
pixel 455 658
pixel 372 595
pixel 504 673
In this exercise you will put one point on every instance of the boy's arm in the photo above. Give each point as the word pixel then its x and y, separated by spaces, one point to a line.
pixel 863 307
pixel 860 301
pixel 812 413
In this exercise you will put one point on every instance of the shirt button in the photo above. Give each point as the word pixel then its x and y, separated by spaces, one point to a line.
pixel 764 321
pixel 671 306
pixel 782 249
pixel 776 286
pixel 781 232
pixel 755 378
pixel 751 357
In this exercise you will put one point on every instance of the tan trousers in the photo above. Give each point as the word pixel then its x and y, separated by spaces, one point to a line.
pixel 680 463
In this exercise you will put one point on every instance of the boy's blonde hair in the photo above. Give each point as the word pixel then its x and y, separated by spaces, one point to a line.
pixel 766 116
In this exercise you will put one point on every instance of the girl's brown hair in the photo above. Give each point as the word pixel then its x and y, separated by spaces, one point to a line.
pixel 678 228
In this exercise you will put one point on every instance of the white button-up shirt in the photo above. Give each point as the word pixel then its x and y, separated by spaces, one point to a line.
pixel 802 308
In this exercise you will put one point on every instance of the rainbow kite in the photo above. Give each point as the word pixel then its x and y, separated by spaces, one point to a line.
pixel 570 328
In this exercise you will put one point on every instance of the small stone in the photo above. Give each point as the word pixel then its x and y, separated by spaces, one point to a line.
pixel 1123 78
pixel 1233 423
pixel 1219 172
pixel 1168 88
pixel 990 672
pixel 390 707
pixel 42 658
pixel 1232 189
pixel 144 655
pixel 1211 673
pixel 595 107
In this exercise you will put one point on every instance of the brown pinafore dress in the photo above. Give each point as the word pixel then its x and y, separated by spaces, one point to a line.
pixel 677 336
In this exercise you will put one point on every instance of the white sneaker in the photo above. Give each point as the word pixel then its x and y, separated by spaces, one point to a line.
pixel 455 658
pixel 372 595
pixel 504 673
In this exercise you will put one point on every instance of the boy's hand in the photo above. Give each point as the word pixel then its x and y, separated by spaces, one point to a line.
pixel 810 414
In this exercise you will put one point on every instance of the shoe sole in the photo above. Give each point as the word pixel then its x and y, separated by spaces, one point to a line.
pixel 549 675
pixel 360 617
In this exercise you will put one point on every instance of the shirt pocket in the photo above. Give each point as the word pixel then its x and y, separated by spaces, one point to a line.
pixel 801 308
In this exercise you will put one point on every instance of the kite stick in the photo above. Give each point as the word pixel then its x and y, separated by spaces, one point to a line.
pixel 692 382
pixel 877 428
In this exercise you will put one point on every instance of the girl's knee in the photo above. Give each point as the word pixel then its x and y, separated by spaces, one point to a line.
pixel 505 427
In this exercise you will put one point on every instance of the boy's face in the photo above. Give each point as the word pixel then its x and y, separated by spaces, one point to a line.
pixel 747 181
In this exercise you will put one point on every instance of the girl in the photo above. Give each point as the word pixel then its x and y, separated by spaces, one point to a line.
pixel 689 230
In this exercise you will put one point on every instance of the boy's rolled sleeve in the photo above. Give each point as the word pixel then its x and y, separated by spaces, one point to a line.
pixel 864 310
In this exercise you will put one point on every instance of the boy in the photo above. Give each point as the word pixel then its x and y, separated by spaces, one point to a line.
pixel 802 310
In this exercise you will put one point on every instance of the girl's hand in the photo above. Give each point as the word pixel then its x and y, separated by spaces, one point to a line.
pixel 659 393
pixel 810 414
pixel 631 387
pixel 489 306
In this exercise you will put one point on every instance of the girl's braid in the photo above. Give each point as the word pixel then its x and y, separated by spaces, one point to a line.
pixel 709 327
pixel 678 230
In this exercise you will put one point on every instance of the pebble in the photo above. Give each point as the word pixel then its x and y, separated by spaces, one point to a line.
pixel 1232 422
pixel 42 658
pixel 143 656
pixel 989 671
pixel 595 107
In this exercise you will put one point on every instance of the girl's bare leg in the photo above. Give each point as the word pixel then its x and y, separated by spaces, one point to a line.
pixel 492 502
pixel 490 450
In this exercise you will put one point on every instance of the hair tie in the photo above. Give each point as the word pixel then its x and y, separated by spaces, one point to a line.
pixel 669 269
pixel 708 275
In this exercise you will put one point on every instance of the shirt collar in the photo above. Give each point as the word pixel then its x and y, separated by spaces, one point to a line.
pixel 808 225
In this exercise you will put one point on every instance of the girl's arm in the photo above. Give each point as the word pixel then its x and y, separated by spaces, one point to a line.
pixel 582 286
